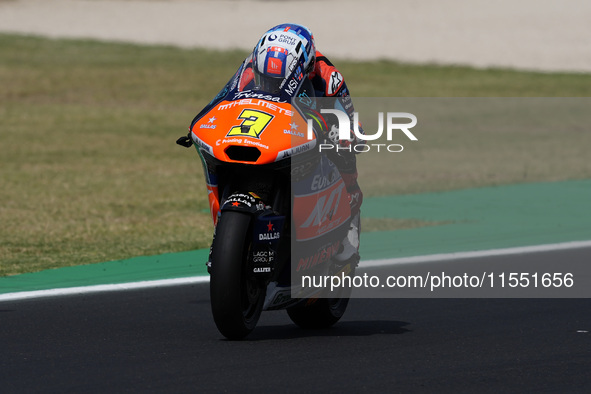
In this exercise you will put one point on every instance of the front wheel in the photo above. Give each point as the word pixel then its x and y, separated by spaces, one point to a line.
pixel 236 295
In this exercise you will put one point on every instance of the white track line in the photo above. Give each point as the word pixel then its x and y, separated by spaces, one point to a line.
pixel 476 254
pixel 364 264
pixel 101 288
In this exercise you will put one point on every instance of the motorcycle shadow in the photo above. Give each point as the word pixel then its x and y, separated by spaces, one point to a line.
pixel 341 329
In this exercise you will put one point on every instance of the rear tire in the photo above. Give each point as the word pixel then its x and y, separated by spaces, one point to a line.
pixel 236 296
pixel 322 313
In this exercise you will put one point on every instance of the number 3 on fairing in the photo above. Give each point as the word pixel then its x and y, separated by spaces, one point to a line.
pixel 253 124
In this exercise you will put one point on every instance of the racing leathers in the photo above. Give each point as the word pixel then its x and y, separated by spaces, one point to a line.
pixel 328 82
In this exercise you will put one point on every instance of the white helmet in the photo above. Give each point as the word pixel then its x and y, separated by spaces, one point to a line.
pixel 279 53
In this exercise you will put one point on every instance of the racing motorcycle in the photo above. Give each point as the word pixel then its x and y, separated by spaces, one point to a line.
pixel 280 210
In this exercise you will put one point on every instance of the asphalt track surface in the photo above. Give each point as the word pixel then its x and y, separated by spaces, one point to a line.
pixel 164 340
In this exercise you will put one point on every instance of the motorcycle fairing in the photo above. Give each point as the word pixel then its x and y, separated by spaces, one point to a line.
pixel 251 131
pixel 320 203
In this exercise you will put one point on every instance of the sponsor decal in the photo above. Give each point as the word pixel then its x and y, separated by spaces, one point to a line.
pixel 268 230
pixel 258 103
pixel 278 49
pixel 301 170
pixel 296 150
pixel 322 211
pixel 293 63
pixel 325 207
pixel 274 66
pixel 287 39
pixel 336 79
pixel 241 141
pixel 291 86
pixel 228 141
pixel 251 94
pixel 293 131
pixel 209 125
pixel 269 236
pixel 202 144
pixel 240 199
pixel 320 182
pixel 263 256
pixel 321 256
pixel 256 143
pixel 305 99
pixel 282 297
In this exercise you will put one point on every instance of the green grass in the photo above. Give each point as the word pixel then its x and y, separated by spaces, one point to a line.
pixel 90 172
pixel 466 143
pixel 389 79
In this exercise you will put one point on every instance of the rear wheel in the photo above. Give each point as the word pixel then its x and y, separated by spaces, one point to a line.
pixel 322 312
pixel 236 295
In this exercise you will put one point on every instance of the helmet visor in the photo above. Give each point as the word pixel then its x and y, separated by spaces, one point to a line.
pixel 266 83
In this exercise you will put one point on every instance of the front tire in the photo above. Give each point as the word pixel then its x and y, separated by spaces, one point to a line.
pixel 236 295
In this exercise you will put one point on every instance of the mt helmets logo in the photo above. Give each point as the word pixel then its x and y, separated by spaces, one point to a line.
pixel 344 132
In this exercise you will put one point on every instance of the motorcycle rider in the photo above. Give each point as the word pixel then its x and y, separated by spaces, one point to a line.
pixel 288 51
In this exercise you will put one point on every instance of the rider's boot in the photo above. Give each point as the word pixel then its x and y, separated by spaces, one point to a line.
pixel 349 249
